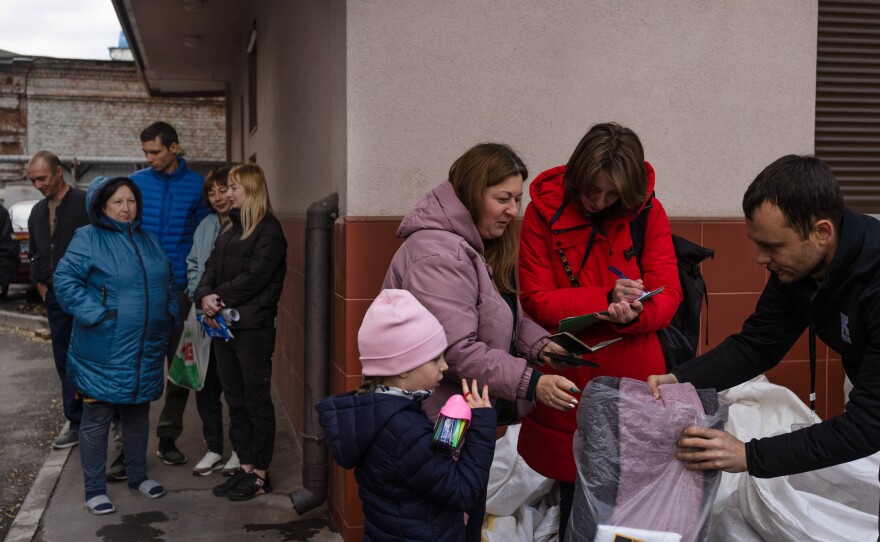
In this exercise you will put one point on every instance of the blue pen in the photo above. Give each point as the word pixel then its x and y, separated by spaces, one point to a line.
pixel 617 272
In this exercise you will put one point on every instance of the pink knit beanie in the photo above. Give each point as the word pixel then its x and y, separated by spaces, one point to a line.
pixel 398 334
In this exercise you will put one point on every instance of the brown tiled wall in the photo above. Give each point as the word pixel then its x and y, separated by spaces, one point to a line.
pixel 734 282
pixel 363 247
pixel 289 344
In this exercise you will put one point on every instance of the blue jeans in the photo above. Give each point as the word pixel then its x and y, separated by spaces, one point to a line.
pixel 60 327
pixel 93 434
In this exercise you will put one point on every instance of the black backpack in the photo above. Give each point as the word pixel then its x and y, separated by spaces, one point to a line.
pixel 679 340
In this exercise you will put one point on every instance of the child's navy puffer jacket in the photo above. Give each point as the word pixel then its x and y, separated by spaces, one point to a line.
pixel 409 491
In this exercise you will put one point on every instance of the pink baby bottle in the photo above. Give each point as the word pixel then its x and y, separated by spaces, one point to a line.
pixel 453 422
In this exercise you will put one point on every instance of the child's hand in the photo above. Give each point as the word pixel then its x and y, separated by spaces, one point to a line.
pixel 473 397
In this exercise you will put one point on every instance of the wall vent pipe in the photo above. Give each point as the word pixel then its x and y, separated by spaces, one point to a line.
pixel 316 366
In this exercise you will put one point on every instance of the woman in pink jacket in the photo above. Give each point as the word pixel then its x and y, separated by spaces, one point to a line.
pixel 458 259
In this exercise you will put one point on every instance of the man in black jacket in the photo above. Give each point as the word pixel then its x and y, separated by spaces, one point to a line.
pixel 51 225
pixel 824 263
pixel 9 260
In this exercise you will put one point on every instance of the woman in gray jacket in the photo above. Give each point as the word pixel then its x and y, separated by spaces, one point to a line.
pixel 208 398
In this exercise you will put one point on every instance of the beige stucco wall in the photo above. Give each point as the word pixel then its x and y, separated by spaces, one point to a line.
pixel 716 90
pixel 300 134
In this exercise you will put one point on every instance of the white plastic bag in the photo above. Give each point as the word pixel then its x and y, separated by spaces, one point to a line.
pixel 521 505
pixel 190 363
pixel 512 483
pixel 776 510
pixel 837 503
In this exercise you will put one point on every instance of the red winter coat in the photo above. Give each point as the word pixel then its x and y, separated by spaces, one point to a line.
pixel 545 441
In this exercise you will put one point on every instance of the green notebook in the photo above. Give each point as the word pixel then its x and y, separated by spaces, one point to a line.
pixel 573 324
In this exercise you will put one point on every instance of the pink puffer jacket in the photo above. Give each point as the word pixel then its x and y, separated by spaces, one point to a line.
pixel 441 263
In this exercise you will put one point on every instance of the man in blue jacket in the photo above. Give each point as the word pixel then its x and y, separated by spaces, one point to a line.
pixel 824 263
pixel 172 208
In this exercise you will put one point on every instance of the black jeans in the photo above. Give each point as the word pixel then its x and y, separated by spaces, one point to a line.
pixel 566 501
pixel 245 367
pixel 210 408
pixel 171 418
pixel 473 532
pixel 60 327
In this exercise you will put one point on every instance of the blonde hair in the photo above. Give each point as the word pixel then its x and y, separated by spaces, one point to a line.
pixel 481 167
pixel 256 202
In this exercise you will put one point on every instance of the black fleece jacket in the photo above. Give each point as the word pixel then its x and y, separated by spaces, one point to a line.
pixel 247 274
pixel 844 309
pixel 9 260
pixel 46 250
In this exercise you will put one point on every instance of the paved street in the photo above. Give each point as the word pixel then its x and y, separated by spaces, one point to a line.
pixel 30 418
pixel 30 415
pixel 189 512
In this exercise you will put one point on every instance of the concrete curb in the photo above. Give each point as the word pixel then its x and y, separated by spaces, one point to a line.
pixel 27 521
pixel 24 321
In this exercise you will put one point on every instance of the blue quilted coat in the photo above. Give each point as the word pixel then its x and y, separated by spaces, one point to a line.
pixel 409 491
pixel 173 207
pixel 116 281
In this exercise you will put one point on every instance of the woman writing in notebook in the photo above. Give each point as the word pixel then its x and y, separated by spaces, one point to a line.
pixel 576 257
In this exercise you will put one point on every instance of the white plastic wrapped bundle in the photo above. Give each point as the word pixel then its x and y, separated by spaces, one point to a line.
pixel 628 477
pixel 836 503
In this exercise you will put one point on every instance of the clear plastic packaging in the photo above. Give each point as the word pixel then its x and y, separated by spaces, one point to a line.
pixel 628 476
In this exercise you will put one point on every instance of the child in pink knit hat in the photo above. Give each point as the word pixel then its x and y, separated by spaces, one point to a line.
pixel 410 490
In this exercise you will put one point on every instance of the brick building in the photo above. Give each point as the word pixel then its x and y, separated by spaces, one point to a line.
pixel 94 110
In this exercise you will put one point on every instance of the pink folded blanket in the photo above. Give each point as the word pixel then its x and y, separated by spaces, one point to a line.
pixel 625 452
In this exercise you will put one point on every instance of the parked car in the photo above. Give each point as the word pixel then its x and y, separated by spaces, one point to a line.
pixel 19 212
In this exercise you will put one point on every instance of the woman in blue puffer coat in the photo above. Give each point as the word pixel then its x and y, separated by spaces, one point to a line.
pixel 117 282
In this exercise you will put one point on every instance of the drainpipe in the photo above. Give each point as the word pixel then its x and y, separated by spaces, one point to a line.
pixel 316 369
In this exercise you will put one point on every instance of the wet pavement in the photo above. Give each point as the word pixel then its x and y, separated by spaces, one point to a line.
pixel 30 415
pixel 30 418
pixel 189 511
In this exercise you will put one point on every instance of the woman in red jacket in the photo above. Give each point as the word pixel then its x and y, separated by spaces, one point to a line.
pixel 575 243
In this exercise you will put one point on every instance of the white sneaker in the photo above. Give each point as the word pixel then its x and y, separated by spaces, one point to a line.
pixel 231 466
pixel 208 464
